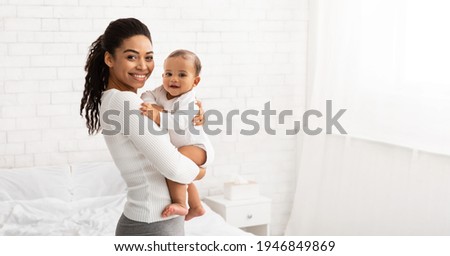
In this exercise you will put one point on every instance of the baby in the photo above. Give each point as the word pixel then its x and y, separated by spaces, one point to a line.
pixel 173 100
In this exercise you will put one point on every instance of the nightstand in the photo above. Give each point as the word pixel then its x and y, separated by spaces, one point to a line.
pixel 251 215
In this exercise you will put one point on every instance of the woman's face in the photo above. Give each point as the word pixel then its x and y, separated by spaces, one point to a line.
pixel 131 65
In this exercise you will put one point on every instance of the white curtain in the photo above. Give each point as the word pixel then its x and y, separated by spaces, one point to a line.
pixel 388 64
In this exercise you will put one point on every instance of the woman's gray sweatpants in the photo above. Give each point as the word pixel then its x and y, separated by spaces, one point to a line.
pixel 171 227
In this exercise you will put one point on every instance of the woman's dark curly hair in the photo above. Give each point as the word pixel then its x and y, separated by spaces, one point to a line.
pixel 97 72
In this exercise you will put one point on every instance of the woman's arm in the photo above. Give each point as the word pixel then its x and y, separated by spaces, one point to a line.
pixel 198 119
pixel 150 140
pixel 154 112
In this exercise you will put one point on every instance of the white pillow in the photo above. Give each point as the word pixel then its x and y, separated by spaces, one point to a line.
pixel 96 179
pixel 35 182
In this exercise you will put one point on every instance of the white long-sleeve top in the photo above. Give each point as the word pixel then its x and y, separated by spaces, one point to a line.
pixel 178 105
pixel 177 120
pixel 143 158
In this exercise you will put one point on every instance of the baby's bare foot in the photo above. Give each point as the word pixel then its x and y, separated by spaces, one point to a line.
pixel 174 209
pixel 194 212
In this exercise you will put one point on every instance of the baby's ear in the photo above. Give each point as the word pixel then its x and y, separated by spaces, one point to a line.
pixel 196 81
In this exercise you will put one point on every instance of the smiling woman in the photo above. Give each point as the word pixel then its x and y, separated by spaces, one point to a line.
pixel 119 63
pixel 131 64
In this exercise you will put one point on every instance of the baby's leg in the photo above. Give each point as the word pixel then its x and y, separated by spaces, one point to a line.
pixel 177 193
pixel 197 155
pixel 195 204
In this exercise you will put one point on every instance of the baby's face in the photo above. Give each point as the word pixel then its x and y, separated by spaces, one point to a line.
pixel 179 76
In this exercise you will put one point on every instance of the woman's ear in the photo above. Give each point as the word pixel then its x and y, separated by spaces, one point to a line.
pixel 108 59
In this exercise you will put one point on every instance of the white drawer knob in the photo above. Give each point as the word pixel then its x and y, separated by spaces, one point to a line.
pixel 249 216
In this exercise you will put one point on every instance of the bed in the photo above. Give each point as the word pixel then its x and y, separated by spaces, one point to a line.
pixel 78 199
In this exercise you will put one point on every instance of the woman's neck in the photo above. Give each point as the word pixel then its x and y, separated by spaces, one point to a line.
pixel 113 84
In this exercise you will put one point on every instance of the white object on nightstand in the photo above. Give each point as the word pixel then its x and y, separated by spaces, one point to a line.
pixel 252 215
pixel 233 191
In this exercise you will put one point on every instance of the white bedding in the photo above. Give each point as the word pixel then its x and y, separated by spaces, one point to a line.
pixel 81 200
pixel 93 216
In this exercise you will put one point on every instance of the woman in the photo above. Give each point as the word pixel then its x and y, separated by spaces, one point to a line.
pixel 119 63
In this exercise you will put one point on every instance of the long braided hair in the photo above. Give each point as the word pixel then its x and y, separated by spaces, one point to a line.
pixel 97 72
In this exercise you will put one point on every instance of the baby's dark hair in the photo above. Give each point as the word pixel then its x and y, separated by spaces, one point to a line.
pixel 185 54
pixel 97 72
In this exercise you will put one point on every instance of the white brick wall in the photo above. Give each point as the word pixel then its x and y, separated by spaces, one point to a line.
pixel 252 52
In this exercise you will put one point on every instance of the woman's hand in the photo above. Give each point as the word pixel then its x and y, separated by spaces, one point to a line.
pixel 152 111
pixel 198 119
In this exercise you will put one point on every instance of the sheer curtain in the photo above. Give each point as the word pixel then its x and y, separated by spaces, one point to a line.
pixel 388 64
